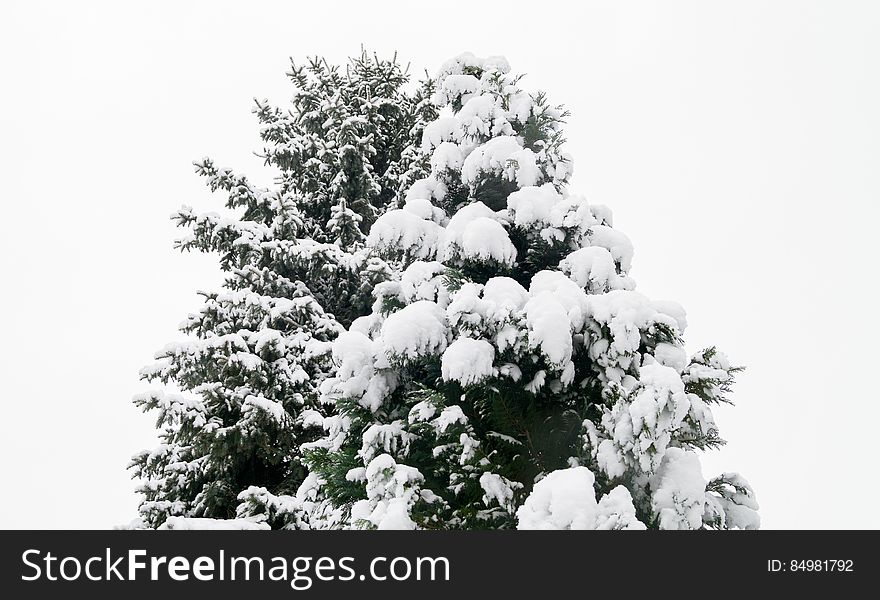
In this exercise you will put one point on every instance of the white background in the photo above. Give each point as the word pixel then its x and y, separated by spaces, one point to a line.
pixel 737 142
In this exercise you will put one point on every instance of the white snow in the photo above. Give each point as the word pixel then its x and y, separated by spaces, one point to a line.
pixel 679 491
pixel 389 438
pixel 393 515
pixel 475 233
pixel 312 418
pixel 549 328
pixel 468 361
pixel 616 511
pixel 593 269
pixel 625 314
pixel 423 281
pixel 568 293
pixel 504 295
pixel 415 330
pixel 271 408
pixel 616 242
pixel 532 204
pixel 498 489
pixel 440 130
pixel 457 85
pixel 449 416
pixel 732 500
pixel 501 155
pixel 446 156
pixel 422 411
pixel 422 208
pixel 399 230
pixel 391 489
pixel 429 188
pixel 486 239
pixel 564 499
pixel 670 355
pixel 674 310
pixel 357 374
pixel 551 213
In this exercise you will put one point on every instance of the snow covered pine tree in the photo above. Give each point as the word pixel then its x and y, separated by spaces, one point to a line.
pixel 510 376
pixel 298 273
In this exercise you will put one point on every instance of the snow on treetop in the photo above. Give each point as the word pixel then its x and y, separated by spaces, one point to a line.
pixel 465 64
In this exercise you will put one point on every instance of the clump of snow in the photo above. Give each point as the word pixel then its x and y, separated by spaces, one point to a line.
pixel 422 208
pixel 357 374
pixel 616 511
pixel 625 315
pixel 616 242
pixel 400 231
pixel 637 430
pixel 423 281
pixel 474 233
pixel 567 292
pixel 502 155
pixel 731 503
pixel 468 361
pixel 429 188
pixel 457 85
pixel 440 130
pixel 498 489
pixel 674 310
pixel 271 408
pixel 679 491
pixel 446 156
pixel 504 293
pixel 467 61
pixel 391 490
pixel 564 499
pixel 551 213
pixel 502 299
pixel 390 438
pixel 549 328
pixel 556 308
pixel 486 239
pixel 422 411
pixel 416 330
pixel 533 204
pixel 448 417
pixel 593 269
pixel 671 355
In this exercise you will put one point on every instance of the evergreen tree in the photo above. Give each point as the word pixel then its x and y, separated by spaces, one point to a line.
pixel 297 273
pixel 509 374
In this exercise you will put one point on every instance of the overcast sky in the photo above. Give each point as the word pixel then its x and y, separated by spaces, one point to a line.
pixel 738 144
